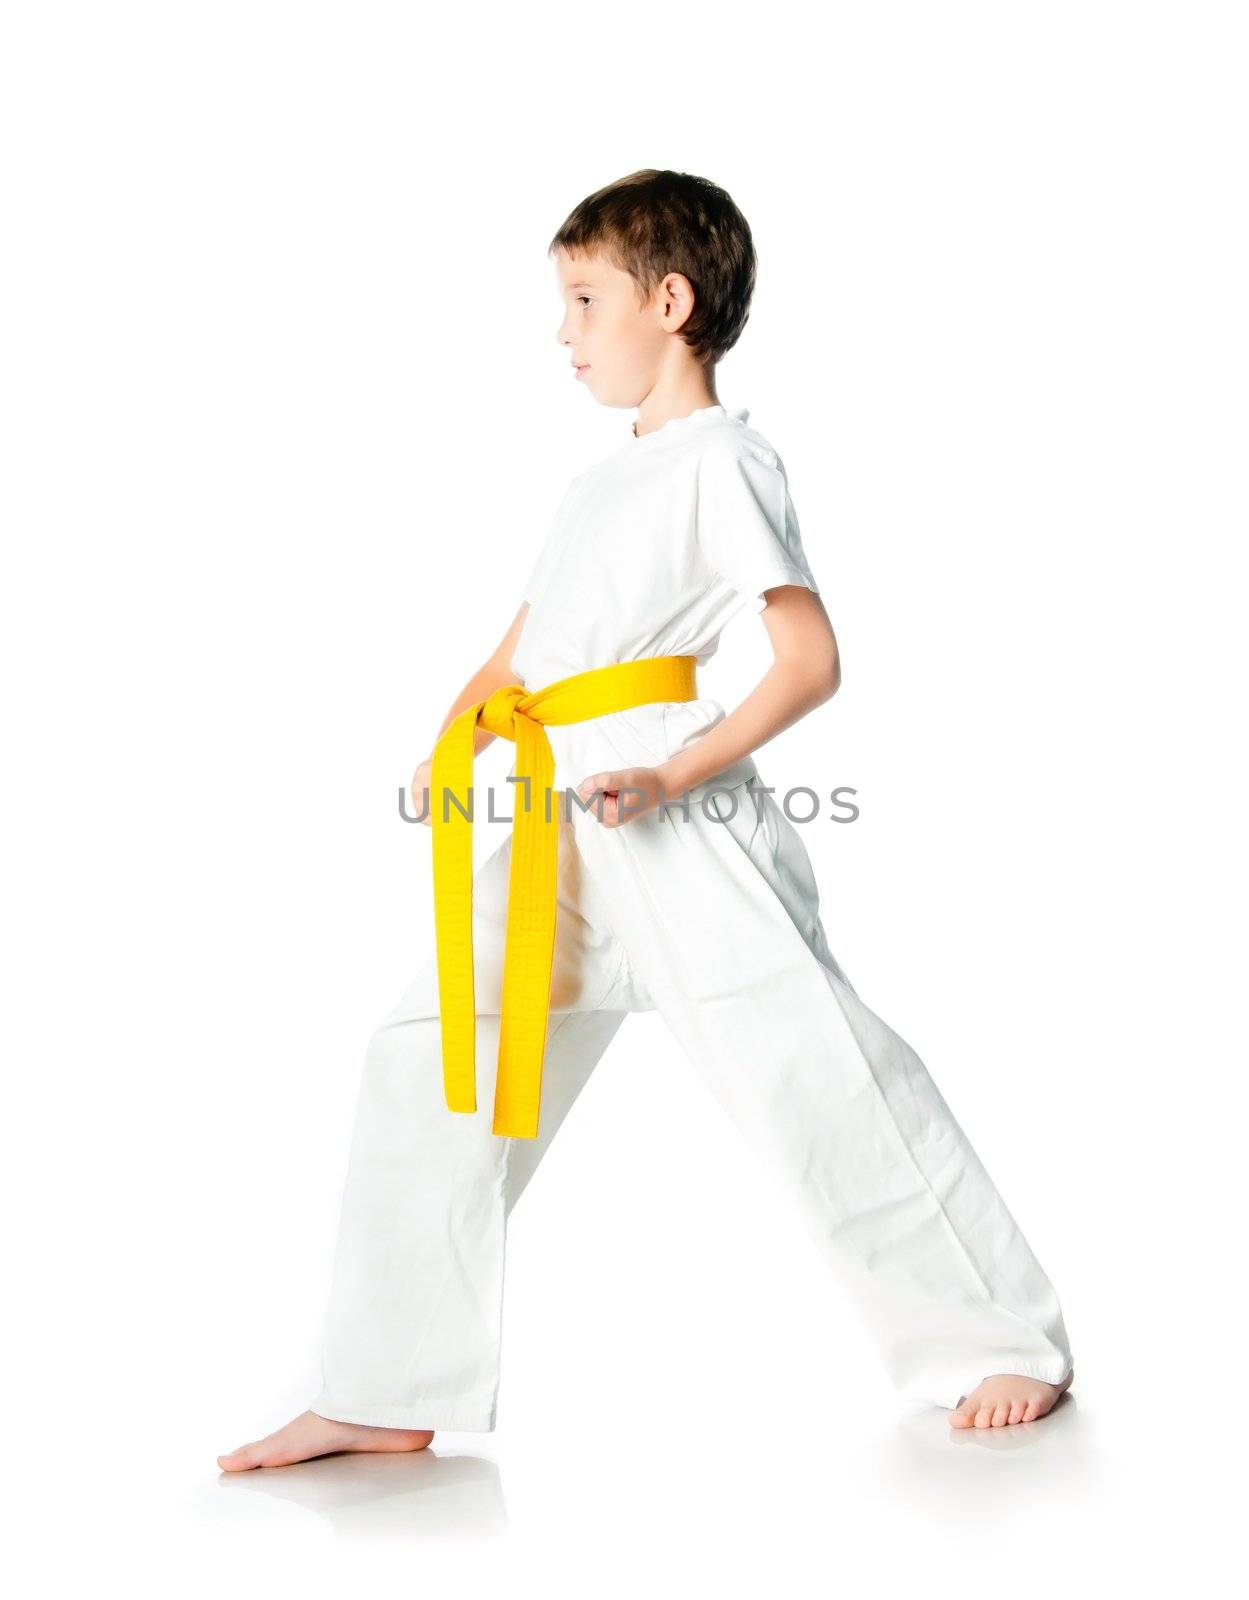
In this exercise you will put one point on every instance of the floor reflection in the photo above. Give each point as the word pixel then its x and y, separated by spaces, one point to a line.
pixel 419 1495
pixel 988 1471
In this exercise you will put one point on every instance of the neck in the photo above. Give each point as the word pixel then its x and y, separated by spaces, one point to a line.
pixel 658 408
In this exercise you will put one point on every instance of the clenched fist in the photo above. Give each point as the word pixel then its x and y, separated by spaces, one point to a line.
pixel 627 794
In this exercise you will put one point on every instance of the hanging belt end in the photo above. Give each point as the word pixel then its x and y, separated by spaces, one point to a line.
pixel 514 1127
pixel 461 1097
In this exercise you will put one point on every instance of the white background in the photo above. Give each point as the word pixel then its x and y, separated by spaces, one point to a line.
pixel 284 422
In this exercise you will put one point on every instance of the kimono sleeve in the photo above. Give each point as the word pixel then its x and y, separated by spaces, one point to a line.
pixel 746 526
pixel 548 554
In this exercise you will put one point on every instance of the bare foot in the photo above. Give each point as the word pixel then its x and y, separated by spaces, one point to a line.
pixel 310 1435
pixel 1006 1397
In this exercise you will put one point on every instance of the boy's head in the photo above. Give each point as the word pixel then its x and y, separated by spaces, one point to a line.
pixel 656 272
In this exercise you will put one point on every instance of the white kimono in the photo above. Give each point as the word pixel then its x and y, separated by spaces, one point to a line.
pixel 713 921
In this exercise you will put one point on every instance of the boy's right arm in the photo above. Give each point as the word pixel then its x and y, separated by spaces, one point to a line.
pixel 496 672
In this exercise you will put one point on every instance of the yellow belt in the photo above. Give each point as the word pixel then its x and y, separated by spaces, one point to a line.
pixel 514 713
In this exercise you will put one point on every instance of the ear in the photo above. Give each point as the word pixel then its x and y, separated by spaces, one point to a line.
pixel 676 297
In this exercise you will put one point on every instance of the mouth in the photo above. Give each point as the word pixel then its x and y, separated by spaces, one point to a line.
pixel 580 367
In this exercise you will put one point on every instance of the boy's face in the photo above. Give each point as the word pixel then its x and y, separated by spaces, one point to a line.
pixel 620 346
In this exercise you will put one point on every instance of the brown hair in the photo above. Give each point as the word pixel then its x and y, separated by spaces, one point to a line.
pixel 655 222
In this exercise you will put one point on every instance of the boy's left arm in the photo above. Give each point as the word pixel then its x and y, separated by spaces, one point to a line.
pixel 805 672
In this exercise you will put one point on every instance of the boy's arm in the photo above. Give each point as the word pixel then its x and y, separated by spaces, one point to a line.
pixel 492 675
pixel 805 673
pixel 496 672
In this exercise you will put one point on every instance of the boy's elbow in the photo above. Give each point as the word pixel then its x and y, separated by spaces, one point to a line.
pixel 820 676
pixel 820 682
pixel 831 674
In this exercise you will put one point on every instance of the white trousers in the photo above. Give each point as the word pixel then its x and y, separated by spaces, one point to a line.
pixel 714 924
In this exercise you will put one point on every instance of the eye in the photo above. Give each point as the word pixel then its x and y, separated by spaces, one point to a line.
pixel 584 297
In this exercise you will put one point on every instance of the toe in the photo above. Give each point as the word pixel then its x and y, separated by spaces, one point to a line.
pixel 1017 1409
pixel 1001 1413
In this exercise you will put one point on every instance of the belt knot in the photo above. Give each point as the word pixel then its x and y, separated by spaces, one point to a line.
pixel 498 711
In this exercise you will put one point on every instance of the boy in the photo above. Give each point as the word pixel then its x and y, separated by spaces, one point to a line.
pixel 675 883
